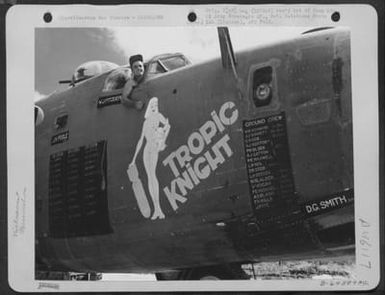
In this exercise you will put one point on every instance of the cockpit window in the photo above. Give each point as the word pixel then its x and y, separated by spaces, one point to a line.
pixel 174 62
pixel 164 63
pixel 155 68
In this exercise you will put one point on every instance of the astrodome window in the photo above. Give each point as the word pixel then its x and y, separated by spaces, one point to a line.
pixel 91 69
pixel 117 79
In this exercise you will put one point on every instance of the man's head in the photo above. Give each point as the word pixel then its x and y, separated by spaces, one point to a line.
pixel 137 67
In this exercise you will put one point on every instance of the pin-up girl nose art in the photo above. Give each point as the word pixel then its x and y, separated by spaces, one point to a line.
pixel 155 131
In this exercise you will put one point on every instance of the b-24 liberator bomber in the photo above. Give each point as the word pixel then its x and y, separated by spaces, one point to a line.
pixel 200 167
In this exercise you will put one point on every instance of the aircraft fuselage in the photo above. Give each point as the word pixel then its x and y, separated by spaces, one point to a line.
pixel 212 169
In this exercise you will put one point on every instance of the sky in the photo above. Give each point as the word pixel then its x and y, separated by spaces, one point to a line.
pixel 59 51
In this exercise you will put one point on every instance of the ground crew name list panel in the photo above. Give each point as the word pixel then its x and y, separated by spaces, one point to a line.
pixel 268 162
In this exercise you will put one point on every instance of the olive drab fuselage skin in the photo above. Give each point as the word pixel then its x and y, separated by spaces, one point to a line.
pixel 249 169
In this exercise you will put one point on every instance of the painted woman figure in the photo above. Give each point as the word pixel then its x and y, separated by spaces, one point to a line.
pixel 155 130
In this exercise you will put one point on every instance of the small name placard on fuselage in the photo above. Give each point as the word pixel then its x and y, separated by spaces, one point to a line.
pixel 329 203
pixel 109 100
pixel 268 162
pixel 60 138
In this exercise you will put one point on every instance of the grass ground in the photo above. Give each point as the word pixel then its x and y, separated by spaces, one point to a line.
pixel 341 268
